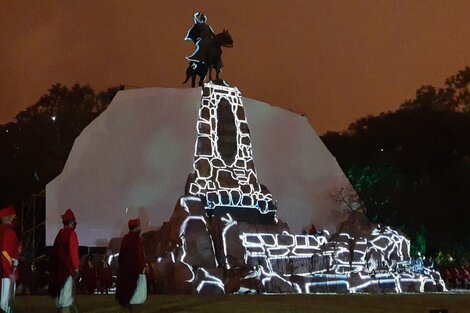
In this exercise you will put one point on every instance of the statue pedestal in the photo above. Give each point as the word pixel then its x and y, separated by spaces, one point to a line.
pixel 225 175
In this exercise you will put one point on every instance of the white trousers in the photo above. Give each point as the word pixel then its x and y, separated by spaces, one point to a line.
pixel 65 298
pixel 8 294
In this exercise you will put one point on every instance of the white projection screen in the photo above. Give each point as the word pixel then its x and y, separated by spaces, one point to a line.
pixel 138 153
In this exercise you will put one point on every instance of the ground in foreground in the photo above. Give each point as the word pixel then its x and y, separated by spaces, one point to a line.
pixel 404 303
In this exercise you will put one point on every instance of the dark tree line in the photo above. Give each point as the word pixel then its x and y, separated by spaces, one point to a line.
pixel 35 146
pixel 411 167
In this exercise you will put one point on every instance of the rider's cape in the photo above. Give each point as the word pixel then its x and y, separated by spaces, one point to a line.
pixel 202 35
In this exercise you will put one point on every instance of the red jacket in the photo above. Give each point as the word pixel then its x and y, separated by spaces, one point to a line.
pixel 64 259
pixel 131 264
pixel 9 247
pixel 105 273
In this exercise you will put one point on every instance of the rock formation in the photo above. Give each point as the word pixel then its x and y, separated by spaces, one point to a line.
pixel 199 254
pixel 223 236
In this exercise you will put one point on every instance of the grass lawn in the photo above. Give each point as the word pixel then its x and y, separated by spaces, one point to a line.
pixel 404 303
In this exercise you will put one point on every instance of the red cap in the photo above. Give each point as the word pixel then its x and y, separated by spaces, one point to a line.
pixel 68 216
pixel 8 211
pixel 133 223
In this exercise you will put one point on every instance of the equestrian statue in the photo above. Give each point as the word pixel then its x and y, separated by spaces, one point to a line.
pixel 208 52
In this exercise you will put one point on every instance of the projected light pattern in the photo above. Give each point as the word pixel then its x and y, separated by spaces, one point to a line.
pixel 207 279
pixel 229 223
pixel 275 251
pixel 225 174
pixel 319 264
pixel 183 241
pixel 252 262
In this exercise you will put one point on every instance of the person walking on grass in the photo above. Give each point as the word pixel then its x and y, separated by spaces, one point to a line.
pixel 131 289
pixel 64 265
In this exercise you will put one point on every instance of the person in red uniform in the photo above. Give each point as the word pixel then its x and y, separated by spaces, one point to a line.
pixel 312 230
pixel 25 276
pixel 89 275
pixel 105 275
pixel 150 277
pixel 131 289
pixel 10 253
pixel 64 264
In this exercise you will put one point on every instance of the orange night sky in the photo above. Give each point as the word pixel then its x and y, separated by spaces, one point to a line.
pixel 334 60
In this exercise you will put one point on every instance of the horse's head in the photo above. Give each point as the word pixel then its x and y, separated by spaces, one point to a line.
pixel 224 39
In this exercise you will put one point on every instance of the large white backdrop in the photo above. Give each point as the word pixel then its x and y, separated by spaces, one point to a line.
pixel 139 152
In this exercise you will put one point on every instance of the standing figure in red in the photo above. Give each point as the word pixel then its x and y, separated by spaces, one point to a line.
pixel 10 253
pixel 105 275
pixel 131 289
pixel 89 275
pixel 64 264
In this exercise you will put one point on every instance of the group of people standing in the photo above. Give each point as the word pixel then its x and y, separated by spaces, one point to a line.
pixel 131 288
pixel 96 276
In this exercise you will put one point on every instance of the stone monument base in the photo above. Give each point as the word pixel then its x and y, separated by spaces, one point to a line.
pixel 198 254
pixel 247 215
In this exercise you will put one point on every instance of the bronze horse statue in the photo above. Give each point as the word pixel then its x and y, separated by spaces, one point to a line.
pixel 208 58
pixel 196 69
pixel 214 53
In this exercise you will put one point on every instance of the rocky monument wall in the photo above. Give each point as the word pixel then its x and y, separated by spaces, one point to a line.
pixel 223 236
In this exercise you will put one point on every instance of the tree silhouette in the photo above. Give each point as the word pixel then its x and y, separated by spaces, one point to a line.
pixel 411 167
pixel 36 146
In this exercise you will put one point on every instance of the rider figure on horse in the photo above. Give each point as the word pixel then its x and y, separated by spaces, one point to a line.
pixel 207 55
pixel 201 34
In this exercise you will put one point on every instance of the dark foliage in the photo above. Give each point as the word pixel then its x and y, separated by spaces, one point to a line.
pixel 411 167
pixel 35 146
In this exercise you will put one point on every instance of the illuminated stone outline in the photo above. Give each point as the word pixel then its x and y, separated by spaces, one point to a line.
pixel 208 279
pixel 264 249
pixel 206 183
